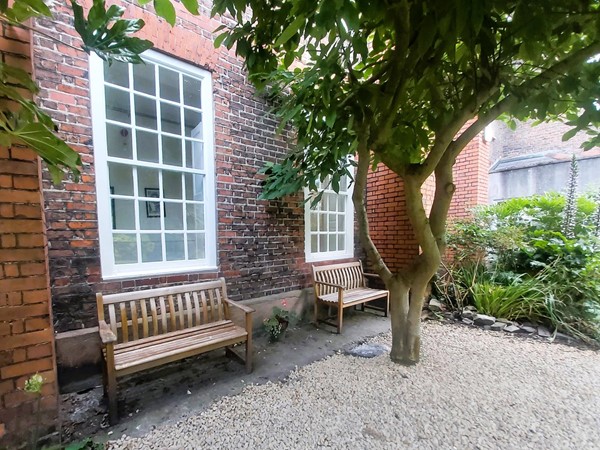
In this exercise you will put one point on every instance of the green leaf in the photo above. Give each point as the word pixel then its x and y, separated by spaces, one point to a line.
pixel 166 10
pixel 220 38
pixel 569 134
pixel 191 6
pixel 290 31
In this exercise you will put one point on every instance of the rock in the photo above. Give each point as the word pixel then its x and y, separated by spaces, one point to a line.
pixel 467 321
pixel 435 305
pixel 368 350
pixel 544 332
pixel 427 315
pixel 482 319
pixel 487 327
pixel 467 313
pixel 498 326
pixel 470 308
pixel 504 321
pixel 511 329
pixel 528 329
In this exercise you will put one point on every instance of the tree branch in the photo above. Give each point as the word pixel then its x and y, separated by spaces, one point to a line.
pixel 567 65
pixel 358 197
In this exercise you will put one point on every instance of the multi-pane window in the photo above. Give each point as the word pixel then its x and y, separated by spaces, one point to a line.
pixel 153 146
pixel 330 224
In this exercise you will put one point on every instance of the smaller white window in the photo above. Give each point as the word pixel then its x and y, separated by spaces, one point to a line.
pixel 329 224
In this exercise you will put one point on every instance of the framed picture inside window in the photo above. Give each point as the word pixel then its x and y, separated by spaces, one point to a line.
pixel 152 208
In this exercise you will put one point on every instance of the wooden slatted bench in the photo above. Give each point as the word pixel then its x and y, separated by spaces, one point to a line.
pixel 343 286
pixel 152 327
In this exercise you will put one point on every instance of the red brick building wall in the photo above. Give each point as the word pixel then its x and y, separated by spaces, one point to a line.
pixel 260 244
pixel 386 206
pixel 26 332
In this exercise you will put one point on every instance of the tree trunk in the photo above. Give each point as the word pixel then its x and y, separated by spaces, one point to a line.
pixel 406 305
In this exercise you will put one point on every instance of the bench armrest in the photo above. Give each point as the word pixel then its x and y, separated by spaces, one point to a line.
pixel 241 306
pixel 339 286
pixel 372 275
pixel 106 334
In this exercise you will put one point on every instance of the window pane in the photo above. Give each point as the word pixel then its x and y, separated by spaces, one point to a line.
pixel 314 221
pixel 342 203
pixel 149 215
pixel 117 73
pixel 147 179
pixel 121 179
pixel 332 201
pixel 145 112
pixel 171 150
pixel 341 223
pixel 170 118
pixel 118 141
pixel 344 183
pixel 314 243
pixel 193 123
pixel 332 242
pixel 169 84
pixel 341 242
pixel 117 105
pixel 175 247
pixel 323 243
pixel 194 155
pixel 195 217
pixel 172 185
pixel 147 146
pixel 151 248
pixel 322 222
pixel 173 216
pixel 192 91
pixel 143 78
pixel 332 222
pixel 123 214
pixel 194 187
pixel 125 248
pixel 196 246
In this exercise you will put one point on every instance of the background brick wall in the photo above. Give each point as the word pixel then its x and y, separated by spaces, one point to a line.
pixel 260 244
pixel 26 333
pixel 386 206
pixel 527 139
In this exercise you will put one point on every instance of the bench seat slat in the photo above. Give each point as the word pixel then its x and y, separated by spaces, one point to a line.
pixel 353 295
pixel 188 344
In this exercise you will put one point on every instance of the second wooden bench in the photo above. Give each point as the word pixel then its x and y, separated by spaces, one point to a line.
pixel 343 286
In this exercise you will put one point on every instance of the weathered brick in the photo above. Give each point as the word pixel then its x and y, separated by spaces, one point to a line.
pixel 24 368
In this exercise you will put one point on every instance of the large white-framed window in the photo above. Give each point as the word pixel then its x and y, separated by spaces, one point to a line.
pixel 154 158
pixel 329 225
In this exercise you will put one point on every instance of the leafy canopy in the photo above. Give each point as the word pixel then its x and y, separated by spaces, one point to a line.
pixel 404 77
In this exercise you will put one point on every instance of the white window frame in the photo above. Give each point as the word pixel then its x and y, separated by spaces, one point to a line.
pixel 348 227
pixel 110 270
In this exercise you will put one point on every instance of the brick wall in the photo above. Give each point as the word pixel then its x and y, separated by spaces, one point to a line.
pixel 260 244
pixel 527 139
pixel 386 205
pixel 26 333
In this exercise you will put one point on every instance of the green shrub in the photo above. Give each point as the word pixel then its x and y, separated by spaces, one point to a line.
pixel 512 260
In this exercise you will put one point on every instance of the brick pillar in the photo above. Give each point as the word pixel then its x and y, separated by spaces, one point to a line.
pixel 26 332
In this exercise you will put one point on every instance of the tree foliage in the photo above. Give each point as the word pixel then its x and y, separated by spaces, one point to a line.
pixel 409 83
pixel 405 76
pixel 103 32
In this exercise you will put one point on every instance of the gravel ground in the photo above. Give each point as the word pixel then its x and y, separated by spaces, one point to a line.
pixel 473 389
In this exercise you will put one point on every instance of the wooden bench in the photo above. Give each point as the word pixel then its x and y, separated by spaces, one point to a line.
pixel 343 286
pixel 152 327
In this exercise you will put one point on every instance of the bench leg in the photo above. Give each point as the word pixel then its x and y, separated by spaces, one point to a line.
pixel 113 415
pixel 249 354
pixel 340 319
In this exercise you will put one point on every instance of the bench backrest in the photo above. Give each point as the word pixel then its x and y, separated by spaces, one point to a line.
pixel 150 312
pixel 349 275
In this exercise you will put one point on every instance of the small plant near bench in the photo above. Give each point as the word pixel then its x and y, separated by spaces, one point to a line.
pixel 279 321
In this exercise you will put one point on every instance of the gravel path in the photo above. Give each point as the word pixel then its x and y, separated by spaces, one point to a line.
pixel 472 389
